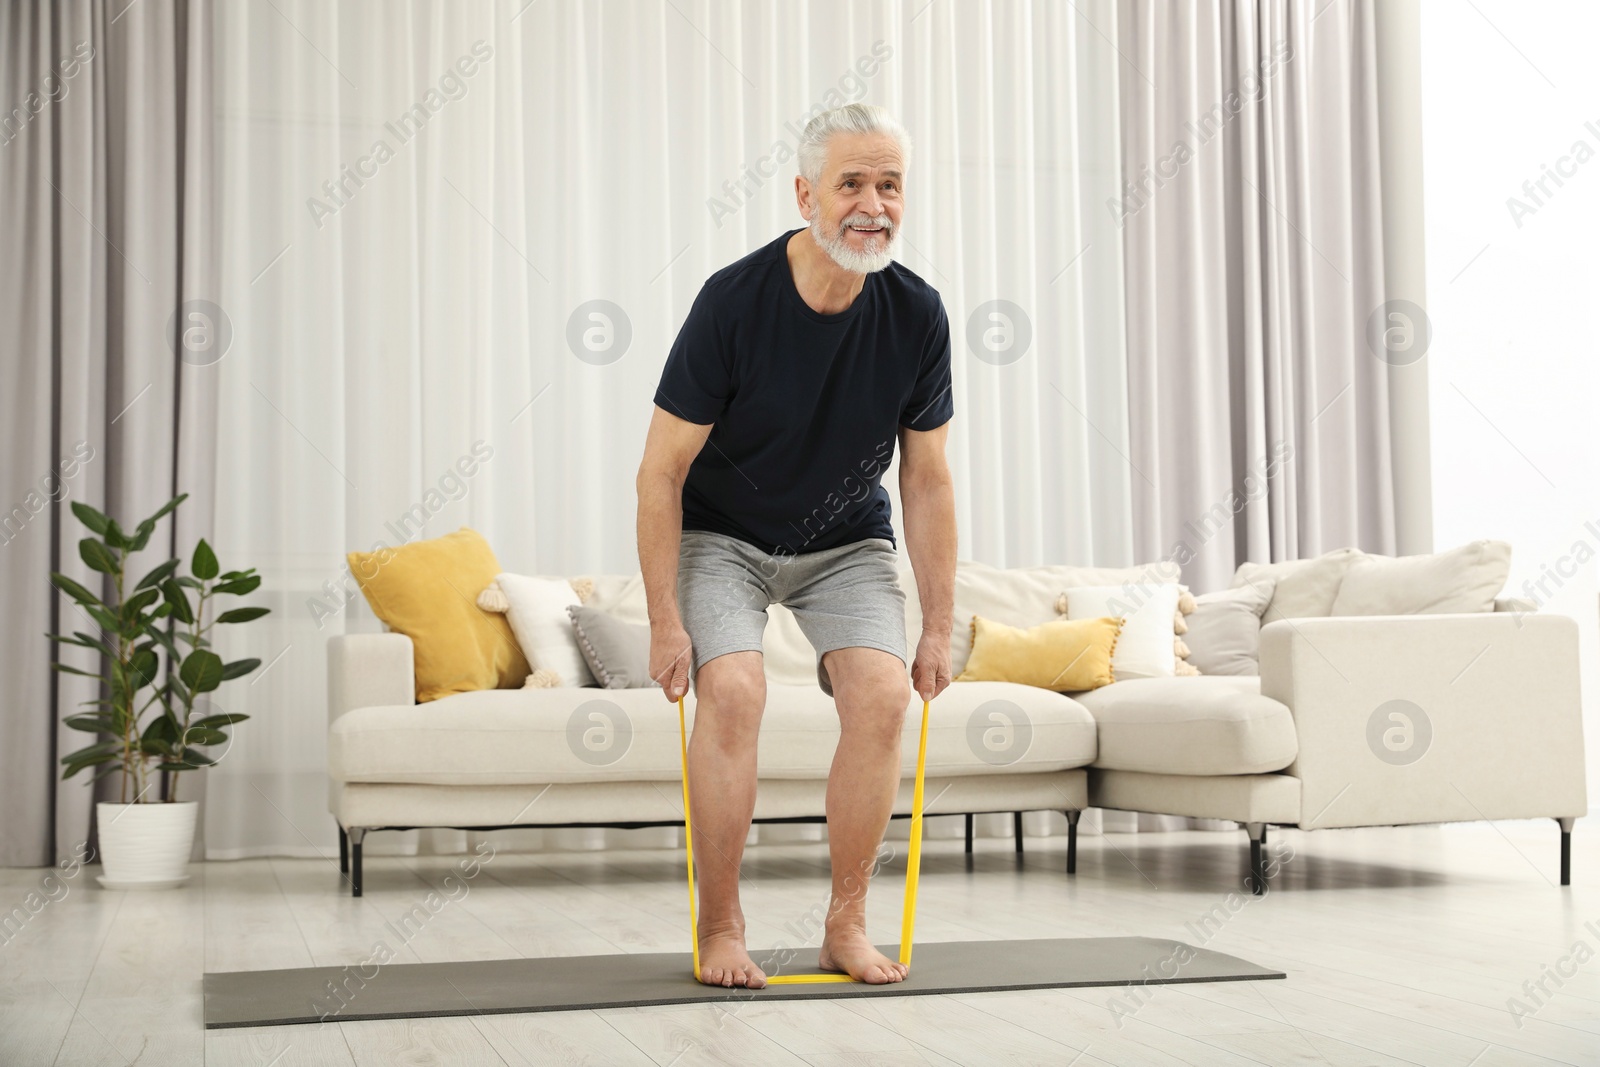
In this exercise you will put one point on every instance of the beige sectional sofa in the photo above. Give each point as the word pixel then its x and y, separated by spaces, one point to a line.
pixel 1490 700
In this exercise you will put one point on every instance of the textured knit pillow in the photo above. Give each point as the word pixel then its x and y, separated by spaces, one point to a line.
pixel 427 590
pixel 1065 655
pixel 618 652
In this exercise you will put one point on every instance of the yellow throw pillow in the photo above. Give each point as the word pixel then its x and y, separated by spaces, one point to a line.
pixel 1067 655
pixel 428 591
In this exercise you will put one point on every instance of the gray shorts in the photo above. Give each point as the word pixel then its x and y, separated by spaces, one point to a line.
pixel 842 597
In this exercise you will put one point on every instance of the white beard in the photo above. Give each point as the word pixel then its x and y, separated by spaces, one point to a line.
pixel 859 262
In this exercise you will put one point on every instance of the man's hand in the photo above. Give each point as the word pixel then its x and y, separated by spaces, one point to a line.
pixel 930 671
pixel 670 650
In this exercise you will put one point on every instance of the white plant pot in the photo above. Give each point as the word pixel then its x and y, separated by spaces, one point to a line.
pixel 146 846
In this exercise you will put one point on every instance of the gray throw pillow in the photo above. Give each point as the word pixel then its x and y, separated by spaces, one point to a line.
pixel 1225 628
pixel 617 652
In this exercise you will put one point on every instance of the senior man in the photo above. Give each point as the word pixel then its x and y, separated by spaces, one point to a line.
pixel 776 416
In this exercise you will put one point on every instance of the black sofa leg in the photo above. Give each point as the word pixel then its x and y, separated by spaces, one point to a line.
pixel 344 851
pixel 356 834
pixel 1258 870
pixel 1072 841
pixel 1016 828
pixel 969 833
pixel 1566 850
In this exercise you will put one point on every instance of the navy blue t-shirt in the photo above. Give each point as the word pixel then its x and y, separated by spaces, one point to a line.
pixel 805 409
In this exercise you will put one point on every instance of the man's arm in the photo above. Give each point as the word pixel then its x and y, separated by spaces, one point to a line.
pixel 669 448
pixel 927 493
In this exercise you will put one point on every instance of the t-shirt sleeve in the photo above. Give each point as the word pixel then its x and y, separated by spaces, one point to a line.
pixel 697 382
pixel 932 402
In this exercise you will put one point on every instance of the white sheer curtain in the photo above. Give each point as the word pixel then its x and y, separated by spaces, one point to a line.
pixel 399 297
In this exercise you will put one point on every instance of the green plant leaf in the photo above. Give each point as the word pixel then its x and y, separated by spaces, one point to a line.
pixel 239 586
pixel 108 622
pixel 63 668
pixel 162 728
pixel 239 668
pixel 168 506
pixel 243 614
pixel 225 719
pixel 200 759
pixel 73 589
pixel 158 575
pixel 177 600
pixel 114 536
pixel 89 723
pixel 201 670
pixel 95 520
pixel 98 556
pixel 93 642
pixel 134 605
pixel 204 735
pixel 142 668
pixel 204 564
pixel 192 583
pixel 104 752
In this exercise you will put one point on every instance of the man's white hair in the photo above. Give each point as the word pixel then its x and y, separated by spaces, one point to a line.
pixel 851 118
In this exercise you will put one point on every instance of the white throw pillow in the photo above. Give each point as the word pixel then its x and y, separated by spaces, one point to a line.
pixel 1144 648
pixel 1465 579
pixel 539 619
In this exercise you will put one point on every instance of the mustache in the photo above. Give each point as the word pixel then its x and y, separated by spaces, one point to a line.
pixel 869 220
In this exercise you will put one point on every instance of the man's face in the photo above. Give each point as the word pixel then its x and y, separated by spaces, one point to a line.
pixel 857 203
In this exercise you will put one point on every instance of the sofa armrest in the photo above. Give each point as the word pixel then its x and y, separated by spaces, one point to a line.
pixel 1430 718
pixel 366 670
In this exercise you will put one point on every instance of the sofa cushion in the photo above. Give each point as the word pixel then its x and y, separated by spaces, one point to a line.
pixel 1146 645
pixel 520 736
pixel 1306 588
pixel 1465 579
pixel 1060 655
pixel 1212 724
pixel 427 590
pixel 1225 629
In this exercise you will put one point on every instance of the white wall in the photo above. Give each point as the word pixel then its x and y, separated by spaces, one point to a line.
pixel 1510 89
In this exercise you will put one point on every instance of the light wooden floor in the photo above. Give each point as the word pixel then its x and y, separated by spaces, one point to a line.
pixel 1401 946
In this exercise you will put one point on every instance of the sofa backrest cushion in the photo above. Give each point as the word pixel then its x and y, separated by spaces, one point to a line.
pixel 1305 588
pixel 1465 579
pixel 1016 596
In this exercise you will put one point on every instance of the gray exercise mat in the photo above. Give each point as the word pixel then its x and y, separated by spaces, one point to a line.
pixel 621 980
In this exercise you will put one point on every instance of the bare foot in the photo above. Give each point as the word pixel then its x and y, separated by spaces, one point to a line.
pixel 849 950
pixel 724 961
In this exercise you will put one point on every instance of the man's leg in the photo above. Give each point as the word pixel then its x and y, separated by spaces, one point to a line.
pixel 871 691
pixel 730 694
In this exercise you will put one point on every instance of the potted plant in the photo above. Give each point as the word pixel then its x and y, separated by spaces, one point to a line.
pixel 156 664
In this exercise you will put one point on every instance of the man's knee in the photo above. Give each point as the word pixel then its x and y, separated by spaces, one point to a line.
pixel 870 688
pixel 731 692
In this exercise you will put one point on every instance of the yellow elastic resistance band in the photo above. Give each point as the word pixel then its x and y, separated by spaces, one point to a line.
pixel 913 861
